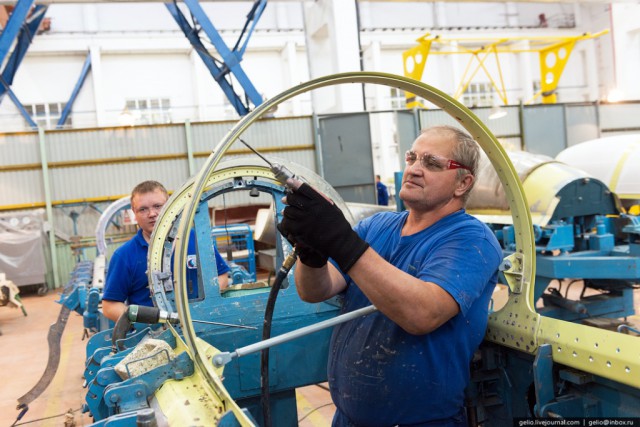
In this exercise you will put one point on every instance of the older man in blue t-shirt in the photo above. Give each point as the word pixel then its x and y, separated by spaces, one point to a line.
pixel 430 271
pixel 126 281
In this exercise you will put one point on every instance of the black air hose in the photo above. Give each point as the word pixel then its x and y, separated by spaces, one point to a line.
pixel 133 313
pixel 266 334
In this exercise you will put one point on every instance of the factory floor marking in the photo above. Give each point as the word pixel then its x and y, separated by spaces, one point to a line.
pixel 55 391
pixel 314 418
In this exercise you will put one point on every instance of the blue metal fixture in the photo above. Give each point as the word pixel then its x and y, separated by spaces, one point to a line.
pixel 7 89
pixel 21 28
pixel 109 396
pixel 230 63
pixel 581 238
pixel 237 240
pixel 74 94
pixel 593 248
pixel 13 27
pixel 28 31
pixel 507 384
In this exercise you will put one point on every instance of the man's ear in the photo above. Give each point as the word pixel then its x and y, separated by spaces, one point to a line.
pixel 463 184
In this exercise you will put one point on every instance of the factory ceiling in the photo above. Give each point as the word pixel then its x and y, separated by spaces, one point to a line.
pixel 12 2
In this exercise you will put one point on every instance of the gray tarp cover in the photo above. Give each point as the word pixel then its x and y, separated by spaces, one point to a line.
pixel 22 257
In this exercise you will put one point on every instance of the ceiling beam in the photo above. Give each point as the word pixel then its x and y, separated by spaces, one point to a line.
pixel 48 2
pixel 12 2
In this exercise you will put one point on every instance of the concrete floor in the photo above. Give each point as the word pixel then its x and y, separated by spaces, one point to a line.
pixel 24 354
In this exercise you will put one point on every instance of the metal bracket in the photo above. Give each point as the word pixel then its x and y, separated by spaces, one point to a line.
pixel 512 268
pixel 132 394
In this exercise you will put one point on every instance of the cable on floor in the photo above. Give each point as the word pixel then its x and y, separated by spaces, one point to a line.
pixel 322 386
pixel 45 418
pixel 314 410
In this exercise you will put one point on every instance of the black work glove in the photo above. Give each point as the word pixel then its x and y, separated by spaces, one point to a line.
pixel 310 257
pixel 313 222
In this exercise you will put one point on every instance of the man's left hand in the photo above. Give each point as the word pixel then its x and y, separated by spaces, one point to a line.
pixel 312 220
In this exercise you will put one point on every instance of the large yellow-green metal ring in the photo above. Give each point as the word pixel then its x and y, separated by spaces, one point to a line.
pixel 519 268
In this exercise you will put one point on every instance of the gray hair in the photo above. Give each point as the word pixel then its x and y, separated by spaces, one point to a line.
pixel 465 151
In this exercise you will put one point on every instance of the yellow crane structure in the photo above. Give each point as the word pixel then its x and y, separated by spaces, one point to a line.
pixel 553 53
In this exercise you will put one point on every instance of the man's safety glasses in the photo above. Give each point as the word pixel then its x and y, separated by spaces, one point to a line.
pixel 147 210
pixel 432 162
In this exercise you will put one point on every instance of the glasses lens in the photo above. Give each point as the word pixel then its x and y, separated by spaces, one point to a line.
pixel 147 210
pixel 431 162
pixel 410 157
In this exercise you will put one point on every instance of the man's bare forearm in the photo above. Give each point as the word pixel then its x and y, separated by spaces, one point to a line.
pixel 113 309
pixel 318 284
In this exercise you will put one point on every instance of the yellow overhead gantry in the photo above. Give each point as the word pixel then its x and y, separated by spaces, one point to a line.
pixel 553 52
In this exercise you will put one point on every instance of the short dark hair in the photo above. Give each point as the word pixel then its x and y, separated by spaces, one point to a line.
pixel 148 187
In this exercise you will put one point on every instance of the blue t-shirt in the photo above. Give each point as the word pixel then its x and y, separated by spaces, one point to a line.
pixel 127 274
pixel 381 375
pixel 383 194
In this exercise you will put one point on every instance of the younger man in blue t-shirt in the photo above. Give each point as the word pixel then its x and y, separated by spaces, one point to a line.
pixel 126 281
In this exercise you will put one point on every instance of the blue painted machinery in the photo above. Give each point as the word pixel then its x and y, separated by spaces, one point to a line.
pixel 236 242
pixel 533 363
pixel 582 240
pixel 80 296
pixel 21 27
pixel 231 319
pixel 587 267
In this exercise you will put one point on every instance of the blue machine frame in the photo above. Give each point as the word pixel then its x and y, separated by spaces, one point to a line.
pixel 18 26
pixel 244 307
pixel 237 237
pixel 528 366
pixel 84 72
pixel 230 63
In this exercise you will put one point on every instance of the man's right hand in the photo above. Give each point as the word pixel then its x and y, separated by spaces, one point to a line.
pixel 312 220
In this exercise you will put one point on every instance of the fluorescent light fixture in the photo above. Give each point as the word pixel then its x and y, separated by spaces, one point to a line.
pixel 496 113
pixel 126 118
pixel 615 95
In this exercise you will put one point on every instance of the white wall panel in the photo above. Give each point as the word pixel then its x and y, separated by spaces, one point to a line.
pixel 108 180
pixel 21 187
pixel 115 142
pixel 206 136
pixel 36 82
pixel 388 15
pixel 264 133
pixel 16 148
pixel 616 116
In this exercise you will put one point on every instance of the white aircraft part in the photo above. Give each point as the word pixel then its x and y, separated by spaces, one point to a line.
pixel 613 160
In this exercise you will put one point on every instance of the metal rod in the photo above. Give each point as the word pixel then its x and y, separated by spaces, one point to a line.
pixel 255 151
pixel 223 324
pixel 252 348
pixel 49 206
pixel 189 139
pixel 223 358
